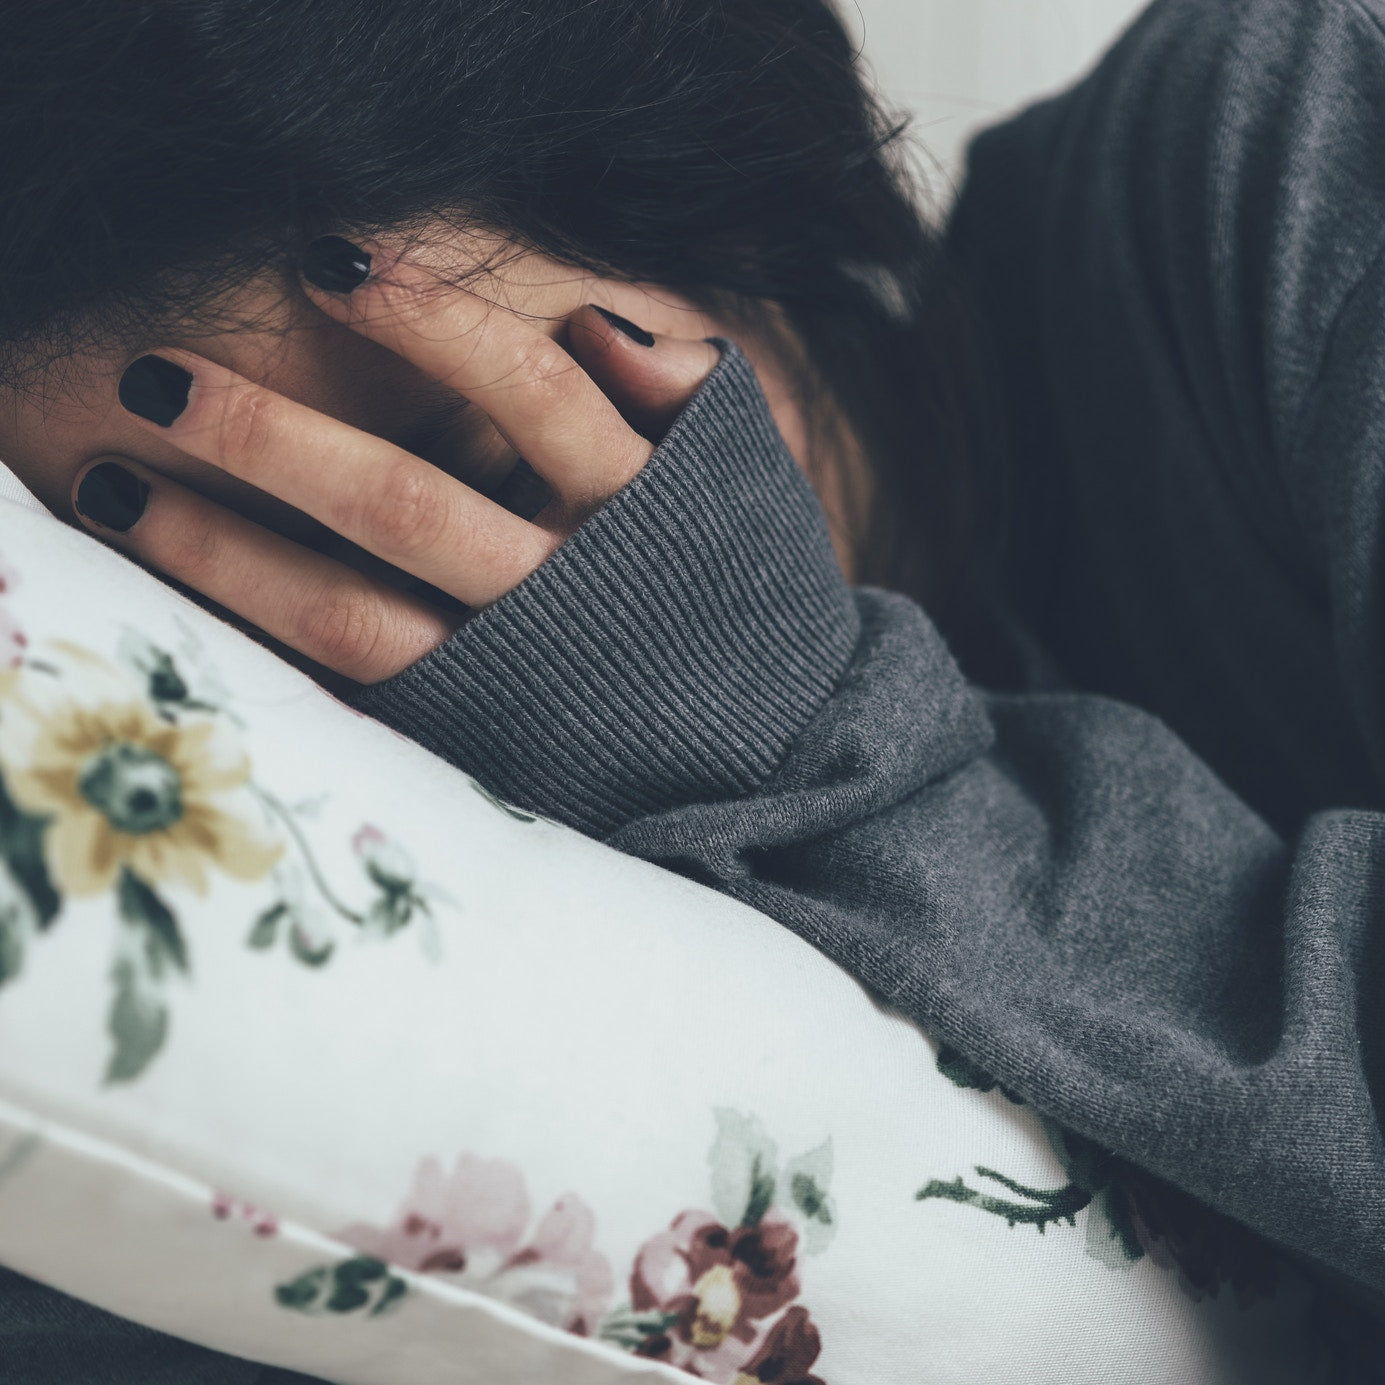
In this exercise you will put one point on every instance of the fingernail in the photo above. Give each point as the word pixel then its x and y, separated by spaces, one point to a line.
pixel 156 389
pixel 335 264
pixel 623 324
pixel 112 497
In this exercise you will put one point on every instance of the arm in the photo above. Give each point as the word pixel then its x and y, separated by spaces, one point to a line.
pixel 1053 884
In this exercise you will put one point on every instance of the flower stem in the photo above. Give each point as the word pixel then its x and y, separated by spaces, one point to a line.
pixel 286 817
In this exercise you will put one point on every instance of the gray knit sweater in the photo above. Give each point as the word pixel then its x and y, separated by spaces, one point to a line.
pixel 1159 919
pixel 1053 883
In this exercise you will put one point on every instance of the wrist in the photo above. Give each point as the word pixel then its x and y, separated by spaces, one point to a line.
pixel 669 652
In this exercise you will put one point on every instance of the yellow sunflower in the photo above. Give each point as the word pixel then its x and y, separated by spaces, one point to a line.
pixel 124 788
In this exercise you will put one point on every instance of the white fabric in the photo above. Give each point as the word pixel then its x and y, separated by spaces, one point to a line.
pixel 16 492
pixel 604 1046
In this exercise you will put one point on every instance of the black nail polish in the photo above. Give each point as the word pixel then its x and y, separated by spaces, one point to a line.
pixel 623 324
pixel 335 264
pixel 112 496
pixel 156 389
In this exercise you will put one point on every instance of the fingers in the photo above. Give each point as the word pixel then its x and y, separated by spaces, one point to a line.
pixel 650 379
pixel 584 418
pixel 549 409
pixel 382 498
pixel 333 614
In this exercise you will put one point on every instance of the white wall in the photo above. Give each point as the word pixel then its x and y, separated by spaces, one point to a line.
pixel 961 63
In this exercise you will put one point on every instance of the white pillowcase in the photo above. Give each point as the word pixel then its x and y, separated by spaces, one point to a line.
pixel 314 1052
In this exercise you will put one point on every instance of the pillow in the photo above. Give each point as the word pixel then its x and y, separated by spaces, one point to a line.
pixel 314 1051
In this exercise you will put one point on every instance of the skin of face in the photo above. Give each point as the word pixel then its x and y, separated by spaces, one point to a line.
pixel 71 414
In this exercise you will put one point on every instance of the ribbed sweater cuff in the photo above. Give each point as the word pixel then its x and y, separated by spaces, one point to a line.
pixel 668 653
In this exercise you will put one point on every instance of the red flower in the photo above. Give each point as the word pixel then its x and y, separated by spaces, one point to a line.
pixel 719 1283
pixel 786 1354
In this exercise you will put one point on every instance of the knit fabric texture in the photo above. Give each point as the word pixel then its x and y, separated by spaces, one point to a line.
pixel 671 650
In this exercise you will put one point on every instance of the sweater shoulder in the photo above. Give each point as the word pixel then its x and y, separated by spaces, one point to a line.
pixel 1218 175
pixel 1178 264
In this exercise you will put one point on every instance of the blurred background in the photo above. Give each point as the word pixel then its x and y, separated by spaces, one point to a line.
pixel 959 64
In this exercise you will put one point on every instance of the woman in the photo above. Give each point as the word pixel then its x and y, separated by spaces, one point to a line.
pixel 1178 262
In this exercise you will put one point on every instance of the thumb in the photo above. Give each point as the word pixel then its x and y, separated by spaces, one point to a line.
pixel 649 378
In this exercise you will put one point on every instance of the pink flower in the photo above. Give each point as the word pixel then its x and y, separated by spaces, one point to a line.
pixel 13 640
pixel 469 1225
pixel 385 860
pixel 391 870
pixel 719 1284
pixel 366 838
pixel 224 1207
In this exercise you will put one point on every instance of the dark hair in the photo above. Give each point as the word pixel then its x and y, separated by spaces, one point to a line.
pixel 155 153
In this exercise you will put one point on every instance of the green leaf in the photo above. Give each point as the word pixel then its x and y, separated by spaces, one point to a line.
pixel 21 844
pixel 809 1181
pixel 387 880
pixel 391 911
pixel 395 1289
pixel 761 1194
pixel 1042 1208
pixel 1087 1164
pixel 350 1278
pixel 302 1293
pixel 347 1297
pixel 1111 1235
pixel 137 1023
pixel 166 684
pixel 744 1164
pixel 962 1072
pixel 142 908
pixel 624 1328
pixel 344 1288
pixel 302 947
pixel 516 813
pixel 12 931
pixel 266 928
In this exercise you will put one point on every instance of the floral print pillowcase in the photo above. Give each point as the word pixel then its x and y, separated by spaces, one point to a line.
pixel 314 1050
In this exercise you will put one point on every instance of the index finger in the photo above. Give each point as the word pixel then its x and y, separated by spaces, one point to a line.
pixel 548 409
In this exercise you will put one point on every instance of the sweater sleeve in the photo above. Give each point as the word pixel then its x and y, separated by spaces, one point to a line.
pixel 1052 883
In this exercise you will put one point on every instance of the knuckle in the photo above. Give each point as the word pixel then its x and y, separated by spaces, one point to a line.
pixel 404 513
pixel 245 425
pixel 194 548
pixel 542 369
pixel 396 304
pixel 343 629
